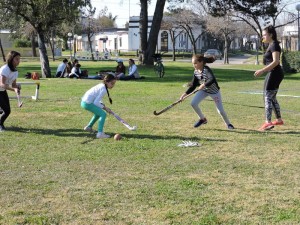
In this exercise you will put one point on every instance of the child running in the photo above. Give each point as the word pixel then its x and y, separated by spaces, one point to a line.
pixel 208 86
pixel 92 101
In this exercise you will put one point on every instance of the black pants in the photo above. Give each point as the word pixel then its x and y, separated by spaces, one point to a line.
pixel 5 106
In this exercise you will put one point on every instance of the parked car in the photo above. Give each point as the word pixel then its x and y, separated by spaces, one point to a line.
pixel 213 52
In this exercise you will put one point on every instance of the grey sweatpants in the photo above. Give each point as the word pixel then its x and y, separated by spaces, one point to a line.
pixel 200 95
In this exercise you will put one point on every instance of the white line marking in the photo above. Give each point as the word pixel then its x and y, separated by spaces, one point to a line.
pixel 260 93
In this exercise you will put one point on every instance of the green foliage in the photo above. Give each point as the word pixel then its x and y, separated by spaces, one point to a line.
pixel 291 61
pixel 21 43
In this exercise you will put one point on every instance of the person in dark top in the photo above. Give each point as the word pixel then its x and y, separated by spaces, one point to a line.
pixel 208 86
pixel 273 78
pixel 120 69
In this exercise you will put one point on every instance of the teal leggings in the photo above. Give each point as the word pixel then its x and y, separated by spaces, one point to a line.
pixel 99 114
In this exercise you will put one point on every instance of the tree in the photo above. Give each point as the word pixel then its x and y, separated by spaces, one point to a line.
pixel 222 26
pixel 170 23
pixel 106 20
pixel 89 26
pixel 153 35
pixel 190 21
pixel 42 15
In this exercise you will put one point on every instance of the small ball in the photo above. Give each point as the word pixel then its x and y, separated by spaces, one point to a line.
pixel 117 137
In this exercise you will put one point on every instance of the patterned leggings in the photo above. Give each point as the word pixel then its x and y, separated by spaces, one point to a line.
pixel 271 103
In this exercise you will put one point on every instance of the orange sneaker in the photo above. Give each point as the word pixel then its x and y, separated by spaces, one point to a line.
pixel 266 126
pixel 276 122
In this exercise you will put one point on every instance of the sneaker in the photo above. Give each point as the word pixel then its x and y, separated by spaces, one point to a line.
pixel 2 128
pixel 276 122
pixel 89 129
pixel 230 126
pixel 102 135
pixel 266 126
pixel 200 122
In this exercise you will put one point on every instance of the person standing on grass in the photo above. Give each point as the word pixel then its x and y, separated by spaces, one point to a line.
pixel 208 86
pixel 92 101
pixel 273 78
pixel 8 81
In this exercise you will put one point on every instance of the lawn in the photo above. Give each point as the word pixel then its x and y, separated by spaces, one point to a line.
pixel 53 172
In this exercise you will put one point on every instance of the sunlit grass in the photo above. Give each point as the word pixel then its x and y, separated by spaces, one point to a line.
pixel 52 172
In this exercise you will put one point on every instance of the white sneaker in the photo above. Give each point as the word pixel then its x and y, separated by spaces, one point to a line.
pixel 89 129
pixel 102 135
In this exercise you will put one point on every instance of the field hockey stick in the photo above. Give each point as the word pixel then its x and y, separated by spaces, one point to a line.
pixel 120 119
pixel 123 122
pixel 173 104
pixel 20 103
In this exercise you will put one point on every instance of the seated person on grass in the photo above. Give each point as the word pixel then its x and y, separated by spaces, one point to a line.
pixel 76 72
pixel 120 69
pixel 133 72
pixel 61 69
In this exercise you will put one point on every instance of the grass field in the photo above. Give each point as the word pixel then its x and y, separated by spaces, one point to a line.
pixel 52 172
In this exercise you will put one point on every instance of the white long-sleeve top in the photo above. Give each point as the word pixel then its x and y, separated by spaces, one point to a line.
pixel 132 70
pixel 61 67
pixel 95 95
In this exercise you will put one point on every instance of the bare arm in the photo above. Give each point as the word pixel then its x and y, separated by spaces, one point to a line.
pixel 269 67
pixel 14 86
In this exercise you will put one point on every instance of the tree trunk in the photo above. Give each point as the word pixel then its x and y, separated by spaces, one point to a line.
pixel 226 61
pixel 33 47
pixel 143 26
pixel 155 27
pixel 91 47
pixel 46 72
pixel 3 56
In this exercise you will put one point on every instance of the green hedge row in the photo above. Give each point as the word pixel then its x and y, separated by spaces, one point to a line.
pixel 291 61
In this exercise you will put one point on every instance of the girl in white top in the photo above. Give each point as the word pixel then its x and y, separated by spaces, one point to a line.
pixel 8 81
pixel 133 72
pixel 92 101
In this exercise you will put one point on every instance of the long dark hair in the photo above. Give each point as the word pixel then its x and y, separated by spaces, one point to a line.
pixel 271 30
pixel 10 58
pixel 108 78
pixel 201 58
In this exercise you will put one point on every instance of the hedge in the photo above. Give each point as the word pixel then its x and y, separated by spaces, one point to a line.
pixel 291 61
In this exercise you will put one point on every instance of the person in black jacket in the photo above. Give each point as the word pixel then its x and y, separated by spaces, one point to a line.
pixel 208 86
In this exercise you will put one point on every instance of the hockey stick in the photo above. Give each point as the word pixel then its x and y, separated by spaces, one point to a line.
pixel 123 122
pixel 173 104
pixel 20 103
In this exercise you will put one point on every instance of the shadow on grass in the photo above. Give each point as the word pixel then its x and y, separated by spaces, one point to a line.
pixel 92 136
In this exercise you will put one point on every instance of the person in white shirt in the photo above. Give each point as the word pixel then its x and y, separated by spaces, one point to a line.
pixel 61 69
pixel 133 72
pixel 8 81
pixel 76 72
pixel 92 101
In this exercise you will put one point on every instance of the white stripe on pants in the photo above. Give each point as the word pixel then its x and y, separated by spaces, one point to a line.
pixel 200 95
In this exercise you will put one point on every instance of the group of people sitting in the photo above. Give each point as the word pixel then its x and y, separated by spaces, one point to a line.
pixel 70 70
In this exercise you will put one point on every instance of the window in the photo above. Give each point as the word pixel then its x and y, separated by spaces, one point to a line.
pixel 164 41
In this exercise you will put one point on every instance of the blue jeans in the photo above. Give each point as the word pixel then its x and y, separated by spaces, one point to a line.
pixel 99 114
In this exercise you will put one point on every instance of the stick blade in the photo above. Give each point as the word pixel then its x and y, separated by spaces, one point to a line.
pixel 156 113
pixel 133 128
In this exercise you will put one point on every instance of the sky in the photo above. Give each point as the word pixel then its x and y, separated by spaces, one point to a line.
pixel 122 9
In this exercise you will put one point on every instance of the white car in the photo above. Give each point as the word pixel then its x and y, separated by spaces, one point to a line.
pixel 213 52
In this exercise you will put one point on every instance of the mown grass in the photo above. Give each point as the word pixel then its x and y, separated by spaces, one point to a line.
pixel 52 172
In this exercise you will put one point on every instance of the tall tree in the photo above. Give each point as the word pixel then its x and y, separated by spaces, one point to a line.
pixel 170 24
pixel 89 26
pixel 42 15
pixel 153 35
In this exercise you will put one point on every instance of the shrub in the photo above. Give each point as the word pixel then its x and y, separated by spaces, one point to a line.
pixel 291 61
pixel 21 43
